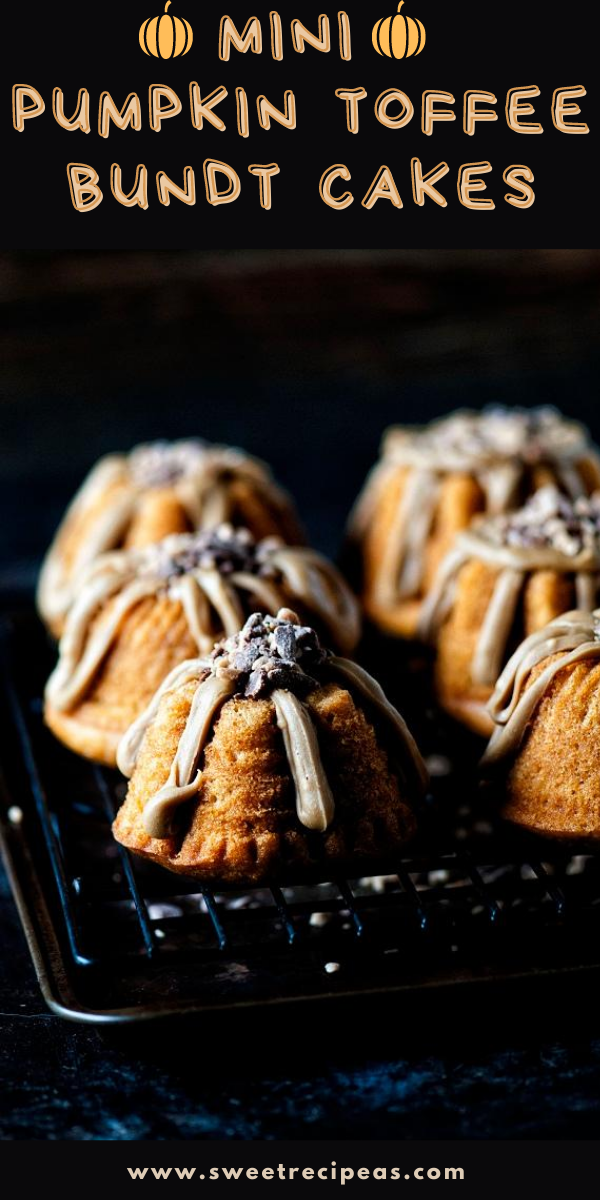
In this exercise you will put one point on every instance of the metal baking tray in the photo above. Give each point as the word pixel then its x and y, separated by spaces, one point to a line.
pixel 470 908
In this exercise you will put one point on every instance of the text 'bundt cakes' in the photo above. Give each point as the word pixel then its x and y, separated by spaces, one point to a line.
pixel 432 481
pixel 546 707
pixel 134 499
pixel 139 613
pixel 506 578
pixel 270 756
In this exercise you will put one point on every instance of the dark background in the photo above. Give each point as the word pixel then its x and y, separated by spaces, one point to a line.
pixel 468 46
pixel 303 358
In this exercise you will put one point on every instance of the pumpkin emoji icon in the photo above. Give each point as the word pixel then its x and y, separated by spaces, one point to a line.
pixel 166 36
pixel 399 36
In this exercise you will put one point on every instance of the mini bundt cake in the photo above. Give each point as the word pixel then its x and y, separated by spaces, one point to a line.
pixel 270 757
pixel 546 709
pixel 139 613
pixel 506 578
pixel 431 482
pixel 135 499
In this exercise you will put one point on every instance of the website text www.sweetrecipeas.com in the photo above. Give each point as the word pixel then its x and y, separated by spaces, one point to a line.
pixel 331 1173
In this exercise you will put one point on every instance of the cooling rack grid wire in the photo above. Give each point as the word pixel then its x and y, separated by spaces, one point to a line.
pixel 116 939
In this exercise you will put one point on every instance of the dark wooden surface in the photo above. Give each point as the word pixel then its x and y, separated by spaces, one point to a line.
pixel 62 1081
pixel 303 359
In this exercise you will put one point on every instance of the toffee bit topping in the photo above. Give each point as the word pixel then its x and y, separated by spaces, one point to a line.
pixel 270 653
pixel 549 519
pixel 157 464
pixel 531 435
pixel 223 549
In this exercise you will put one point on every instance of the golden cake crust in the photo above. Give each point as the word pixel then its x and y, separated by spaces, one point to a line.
pixel 154 638
pixel 546 595
pixel 589 470
pixel 460 498
pixel 149 514
pixel 158 514
pixel 139 614
pixel 79 518
pixel 242 828
pixel 553 785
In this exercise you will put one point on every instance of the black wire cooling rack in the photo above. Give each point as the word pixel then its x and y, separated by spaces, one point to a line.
pixel 117 940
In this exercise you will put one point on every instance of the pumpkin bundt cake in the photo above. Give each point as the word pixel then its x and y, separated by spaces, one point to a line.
pixel 139 613
pixel 506 578
pixel 546 709
pixel 135 499
pixel 268 757
pixel 432 481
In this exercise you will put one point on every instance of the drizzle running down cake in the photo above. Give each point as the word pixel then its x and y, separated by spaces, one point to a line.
pixel 546 709
pixel 506 578
pixel 270 755
pixel 134 499
pixel 139 613
pixel 431 482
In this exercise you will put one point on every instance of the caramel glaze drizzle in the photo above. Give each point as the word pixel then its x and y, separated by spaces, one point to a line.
pixel 399 574
pixel 305 576
pixel 202 492
pixel 513 563
pixel 315 804
pixel 575 636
